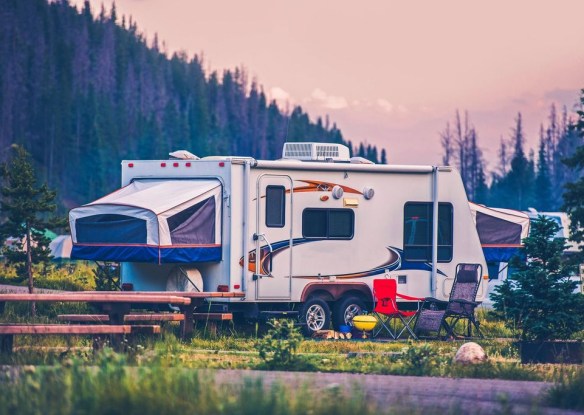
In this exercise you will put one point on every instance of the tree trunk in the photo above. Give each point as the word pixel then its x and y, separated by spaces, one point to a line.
pixel 29 269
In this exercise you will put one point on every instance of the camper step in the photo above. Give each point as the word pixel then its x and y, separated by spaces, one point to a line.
pixel 104 318
pixel 213 316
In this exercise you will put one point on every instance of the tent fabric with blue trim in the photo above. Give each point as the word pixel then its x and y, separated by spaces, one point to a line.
pixel 501 231
pixel 153 221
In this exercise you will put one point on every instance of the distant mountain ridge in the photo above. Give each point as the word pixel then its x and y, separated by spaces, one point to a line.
pixel 82 92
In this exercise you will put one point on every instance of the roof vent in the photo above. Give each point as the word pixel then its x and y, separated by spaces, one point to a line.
pixel 316 152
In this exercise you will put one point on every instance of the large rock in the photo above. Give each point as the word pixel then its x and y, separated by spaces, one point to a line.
pixel 470 354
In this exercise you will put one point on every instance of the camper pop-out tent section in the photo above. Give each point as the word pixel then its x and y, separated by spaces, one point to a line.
pixel 151 221
pixel 308 233
pixel 501 232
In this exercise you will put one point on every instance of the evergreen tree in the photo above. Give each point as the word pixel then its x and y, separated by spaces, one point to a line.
pixel 81 91
pixel 543 191
pixel 540 300
pixel 25 206
pixel 514 190
pixel 383 156
pixel 574 194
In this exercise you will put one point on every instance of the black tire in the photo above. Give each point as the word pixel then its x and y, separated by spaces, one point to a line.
pixel 345 309
pixel 315 315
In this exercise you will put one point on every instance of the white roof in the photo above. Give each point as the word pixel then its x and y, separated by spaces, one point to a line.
pixel 157 195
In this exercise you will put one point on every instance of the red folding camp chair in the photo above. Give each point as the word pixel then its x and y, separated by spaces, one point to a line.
pixel 385 296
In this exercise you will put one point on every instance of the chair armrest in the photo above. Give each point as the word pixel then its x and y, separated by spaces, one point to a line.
pixel 461 301
pixel 409 297
pixel 434 300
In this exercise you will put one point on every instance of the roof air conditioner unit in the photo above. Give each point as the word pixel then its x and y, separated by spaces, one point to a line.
pixel 316 152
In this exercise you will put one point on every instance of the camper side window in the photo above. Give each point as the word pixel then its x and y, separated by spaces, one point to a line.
pixel 418 231
pixel 328 223
pixel 275 206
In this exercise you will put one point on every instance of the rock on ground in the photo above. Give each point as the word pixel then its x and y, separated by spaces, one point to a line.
pixel 470 354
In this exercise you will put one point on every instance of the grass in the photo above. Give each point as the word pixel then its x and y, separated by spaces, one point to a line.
pixel 397 358
pixel 112 386
pixel 76 372
pixel 568 392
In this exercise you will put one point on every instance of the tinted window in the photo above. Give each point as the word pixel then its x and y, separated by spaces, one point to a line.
pixel 418 231
pixel 328 223
pixel 275 206
pixel 111 228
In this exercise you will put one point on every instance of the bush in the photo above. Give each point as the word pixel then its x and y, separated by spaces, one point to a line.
pixel 424 360
pixel 278 347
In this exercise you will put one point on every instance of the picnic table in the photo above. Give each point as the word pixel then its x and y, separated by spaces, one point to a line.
pixel 116 306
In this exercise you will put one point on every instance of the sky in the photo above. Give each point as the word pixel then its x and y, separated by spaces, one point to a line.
pixel 390 73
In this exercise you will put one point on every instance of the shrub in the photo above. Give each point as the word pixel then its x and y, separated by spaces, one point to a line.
pixel 278 347
pixel 424 360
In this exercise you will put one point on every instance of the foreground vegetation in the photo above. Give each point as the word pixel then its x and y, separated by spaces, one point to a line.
pixel 165 376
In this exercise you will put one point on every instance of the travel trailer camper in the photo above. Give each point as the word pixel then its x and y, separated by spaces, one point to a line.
pixel 305 234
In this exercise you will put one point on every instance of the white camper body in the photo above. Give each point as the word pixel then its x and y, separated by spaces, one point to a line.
pixel 289 231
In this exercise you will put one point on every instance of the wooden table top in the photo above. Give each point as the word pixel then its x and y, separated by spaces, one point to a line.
pixel 99 297
pixel 195 294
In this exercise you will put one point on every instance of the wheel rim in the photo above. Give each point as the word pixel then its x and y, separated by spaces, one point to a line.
pixel 351 311
pixel 315 317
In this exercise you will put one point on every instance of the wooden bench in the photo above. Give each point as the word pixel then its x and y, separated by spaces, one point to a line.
pixel 213 316
pixel 7 332
pixel 128 318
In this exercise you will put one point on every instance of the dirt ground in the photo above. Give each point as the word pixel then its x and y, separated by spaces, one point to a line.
pixel 472 396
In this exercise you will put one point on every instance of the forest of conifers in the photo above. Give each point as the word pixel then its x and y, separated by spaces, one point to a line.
pixel 82 91
pixel 522 178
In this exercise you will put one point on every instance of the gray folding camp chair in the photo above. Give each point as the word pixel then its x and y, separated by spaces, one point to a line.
pixel 461 305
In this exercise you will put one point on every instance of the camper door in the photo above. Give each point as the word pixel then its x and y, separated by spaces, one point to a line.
pixel 273 237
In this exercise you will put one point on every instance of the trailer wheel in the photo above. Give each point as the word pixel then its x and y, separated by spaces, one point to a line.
pixel 315 315
pixel 345 309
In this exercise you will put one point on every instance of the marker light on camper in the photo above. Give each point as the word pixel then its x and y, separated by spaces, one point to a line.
pixel 221 163
pixel 130 164
pixel 188 164
pixel 174 164
pixel 162 164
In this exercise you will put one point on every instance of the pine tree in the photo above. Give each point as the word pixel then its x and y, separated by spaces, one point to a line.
pixel 543 191
pixel 574 194
pixel 25 206
pixel 383 156
pixel 514 190
pixel 540 300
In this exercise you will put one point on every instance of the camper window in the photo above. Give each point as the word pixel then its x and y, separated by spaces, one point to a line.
pixel 418 231
pixel 275 206
pixel 328 223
